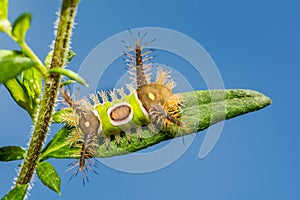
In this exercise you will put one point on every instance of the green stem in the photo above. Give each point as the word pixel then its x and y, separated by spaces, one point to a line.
pixel 40 66
pixel 28 51
pixel 52 82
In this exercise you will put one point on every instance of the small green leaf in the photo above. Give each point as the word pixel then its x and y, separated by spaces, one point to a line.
pixel 10 153
pixel 17 193
pixel 21 26
pixel 59 146
pixel 32 81
pixel 18 93
pixel 60 116
pixel 48 58
pixel 13 63
pixel 70 74
pixel 71 55
pixel 48 175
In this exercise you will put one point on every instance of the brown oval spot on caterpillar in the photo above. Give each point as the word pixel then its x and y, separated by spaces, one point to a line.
pixel 120 113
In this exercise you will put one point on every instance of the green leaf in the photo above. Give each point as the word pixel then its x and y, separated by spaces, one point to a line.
pixel 48 58
pixel 48 175
pixel 21 26
pixel 17 193
pixel 32 81
pixel 10 153
pixel 70 74
pixel 58 145
pixel 26 88
pixel 71 55
pixel 67 82
pixel 13 63
pixel 200 109
pixel 4 23
pixel 18 93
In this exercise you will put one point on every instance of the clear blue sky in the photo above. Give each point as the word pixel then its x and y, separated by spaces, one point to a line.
pixel 255 45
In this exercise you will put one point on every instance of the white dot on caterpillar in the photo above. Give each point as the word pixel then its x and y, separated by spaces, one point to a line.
pixel 86 124
pixel 151 96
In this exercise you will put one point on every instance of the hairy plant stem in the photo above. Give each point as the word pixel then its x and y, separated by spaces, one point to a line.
pixel 52 82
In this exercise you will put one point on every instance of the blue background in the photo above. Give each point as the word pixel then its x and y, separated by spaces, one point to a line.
pixel 255 45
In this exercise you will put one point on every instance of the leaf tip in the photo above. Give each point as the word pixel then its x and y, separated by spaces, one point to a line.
pixel 21 25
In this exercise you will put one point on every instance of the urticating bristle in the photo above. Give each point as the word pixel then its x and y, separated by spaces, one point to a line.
pixel 88 164
pixel 121 92
pixel 94 98
pixel 170 84
pixel 162 76
pixel 71 118
pixel 66 95
pixel 88 151
pixel 137 60
pixel 118 138
pixel 103 96
pixel 85 103
pixel 74 137
pixel 139 132
pixel 113 95
pixel 159 114
pixel 130 87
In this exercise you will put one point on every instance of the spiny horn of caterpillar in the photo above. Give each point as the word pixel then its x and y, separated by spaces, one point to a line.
pixel 152 94
pixel 88 150
pixel 67 97
pixel 88 128
pixel 137 60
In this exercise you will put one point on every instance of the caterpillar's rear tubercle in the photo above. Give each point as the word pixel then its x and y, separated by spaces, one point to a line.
pixel 86 132
pixel 115 112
